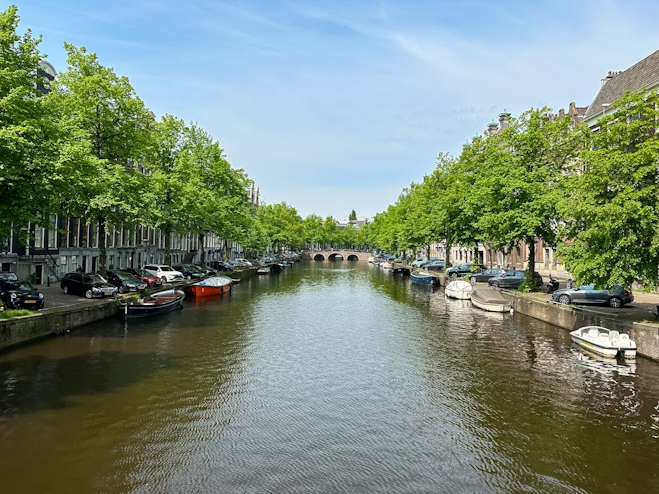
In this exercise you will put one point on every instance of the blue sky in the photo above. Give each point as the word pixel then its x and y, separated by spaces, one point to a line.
pixel 334 106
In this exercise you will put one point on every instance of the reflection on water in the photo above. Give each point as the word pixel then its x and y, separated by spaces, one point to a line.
pixel 325 378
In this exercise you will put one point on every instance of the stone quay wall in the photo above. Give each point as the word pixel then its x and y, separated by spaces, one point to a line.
pixel 34 326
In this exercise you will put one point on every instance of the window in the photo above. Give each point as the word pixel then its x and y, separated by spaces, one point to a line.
pixel 38 237
pixel 52 232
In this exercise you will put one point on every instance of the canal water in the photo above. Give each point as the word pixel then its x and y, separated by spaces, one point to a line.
pixel 330 377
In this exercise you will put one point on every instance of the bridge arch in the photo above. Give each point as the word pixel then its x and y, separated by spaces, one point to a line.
pixel 353 257
pixel 335 257
pixel 319 257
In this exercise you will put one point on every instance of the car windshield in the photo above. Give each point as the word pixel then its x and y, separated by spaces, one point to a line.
pixel 93 278
pixel 143 272
pixel 124 276
pixel 166 268
pixel 19 285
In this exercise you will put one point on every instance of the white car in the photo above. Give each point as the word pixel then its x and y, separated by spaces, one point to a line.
pixel 164 272
pixel 417 263
pixel 244 261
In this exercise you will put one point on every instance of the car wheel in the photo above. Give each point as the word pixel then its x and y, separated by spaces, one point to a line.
pixel 66 290
pixel 495 284
pixel 122 289
pixel 163 279
pixel 564 299
pixel 615 302
pixel 89 294
pixel 454 275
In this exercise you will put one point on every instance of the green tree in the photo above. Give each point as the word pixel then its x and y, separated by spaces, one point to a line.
pixel 312 228
pixel 517 179
pixel 353 215
pixel 282 225
pixel 110 188
pixel 611 201
pixel 30 138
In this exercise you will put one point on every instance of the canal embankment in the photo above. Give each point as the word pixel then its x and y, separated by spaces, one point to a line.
pixel 65 312
pixel 634 319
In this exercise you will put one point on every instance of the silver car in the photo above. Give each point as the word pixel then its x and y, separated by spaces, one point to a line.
pixel 587 294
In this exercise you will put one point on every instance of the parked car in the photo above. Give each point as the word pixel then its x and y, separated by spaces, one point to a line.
pixel 437 265
pixel 189 272
pixel 206 269
pixel 418 262
pixel 8 275
pixel 125 282
pixel 616 296
pixel 458 270
pixel 221 266
pixel 144 275
pixel 164 272
pixel 87 284
pixel 244 261
pixel 486 275
pixel 17 294
pixel 513 279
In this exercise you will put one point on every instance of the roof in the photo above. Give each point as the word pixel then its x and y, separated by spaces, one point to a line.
pixel 641 75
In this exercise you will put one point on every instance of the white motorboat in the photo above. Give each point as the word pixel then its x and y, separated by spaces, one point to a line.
pixel 459 289
pixel 386 265
pixel 488 299
pixel 605 342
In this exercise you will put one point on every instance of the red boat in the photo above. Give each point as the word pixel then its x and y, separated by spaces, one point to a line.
pixel 216 285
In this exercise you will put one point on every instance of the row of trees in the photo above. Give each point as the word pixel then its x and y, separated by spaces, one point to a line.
pixel 91 148
pixel 593 195
pixel 284 227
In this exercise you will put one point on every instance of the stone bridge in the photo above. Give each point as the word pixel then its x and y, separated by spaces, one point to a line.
pixel 336 255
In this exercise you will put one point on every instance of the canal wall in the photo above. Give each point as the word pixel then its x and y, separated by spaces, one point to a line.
pixel 568 317
pixel 45 323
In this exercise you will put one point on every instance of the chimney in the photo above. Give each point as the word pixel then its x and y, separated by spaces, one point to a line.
pixel 609 76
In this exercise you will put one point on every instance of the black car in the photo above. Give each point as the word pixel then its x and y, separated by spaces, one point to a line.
pixel 484 276
pixel 8 275
pixel 125 282
pixel 513 279
pixel 206 269
pixel 17 294
pixel 459 270
pixel 189 271
pixel 88 285
pixel 221 266
pixel 436 265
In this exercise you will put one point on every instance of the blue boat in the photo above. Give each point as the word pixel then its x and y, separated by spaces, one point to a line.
pixel 423 278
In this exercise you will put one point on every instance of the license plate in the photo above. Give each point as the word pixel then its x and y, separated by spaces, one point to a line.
pixel 141 288
pixel 30 301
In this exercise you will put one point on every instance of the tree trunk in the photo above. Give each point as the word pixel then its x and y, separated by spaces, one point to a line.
pixel 168 245
pixel 448 264
pixel 202 256
pixel 531 243
pixel 102 251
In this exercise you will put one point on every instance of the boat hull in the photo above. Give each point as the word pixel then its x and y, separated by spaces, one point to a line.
pixel 424 279
pixel 135 310
pixel 603 349
pixel 458 289
pixel 489 302
pixel 207 291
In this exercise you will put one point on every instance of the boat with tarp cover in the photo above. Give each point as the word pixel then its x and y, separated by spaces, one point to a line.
pixel 489 300
pixel 215 285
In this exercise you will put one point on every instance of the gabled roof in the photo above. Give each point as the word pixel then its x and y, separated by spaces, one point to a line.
pixel 643 74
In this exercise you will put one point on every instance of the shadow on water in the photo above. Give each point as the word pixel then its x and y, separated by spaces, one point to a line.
pixel 35 383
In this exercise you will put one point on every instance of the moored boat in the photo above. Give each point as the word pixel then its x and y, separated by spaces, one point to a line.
pixel 386 265
pixel 263 270
pixel 215 285
pixel 489 300
pixel 152 305
pixel 401 270
pixel 423 278
pixel 459 289
pixel 604 342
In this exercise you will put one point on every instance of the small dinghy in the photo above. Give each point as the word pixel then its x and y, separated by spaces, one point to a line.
pixel 604 342
pixel 459 289
pixel 386 265
pixel 490 300
pixel 263 270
